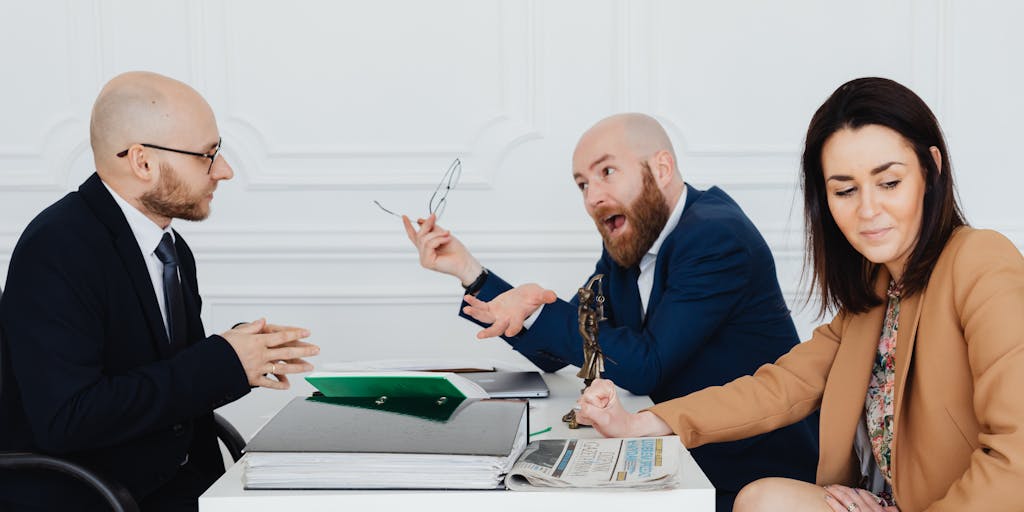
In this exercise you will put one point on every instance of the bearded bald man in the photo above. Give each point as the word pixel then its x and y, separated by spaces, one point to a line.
pixel 108 363
pixel 692 299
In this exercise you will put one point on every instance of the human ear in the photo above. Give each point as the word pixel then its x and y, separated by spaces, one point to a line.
pixel 138 162
pixel 937 156
pixel 664 167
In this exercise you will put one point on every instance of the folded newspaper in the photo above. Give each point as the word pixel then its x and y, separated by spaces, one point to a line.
pixel 646 463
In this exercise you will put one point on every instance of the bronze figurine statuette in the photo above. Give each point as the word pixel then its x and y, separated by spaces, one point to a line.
pixel 591 311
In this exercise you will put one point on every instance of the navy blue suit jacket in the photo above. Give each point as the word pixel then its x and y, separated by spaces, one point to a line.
pixel 89 373
pixel 715 313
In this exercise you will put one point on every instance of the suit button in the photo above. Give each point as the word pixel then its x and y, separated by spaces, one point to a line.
pixel 178 429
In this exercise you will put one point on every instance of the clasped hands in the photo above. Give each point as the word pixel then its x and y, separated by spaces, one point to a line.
pixel 266 349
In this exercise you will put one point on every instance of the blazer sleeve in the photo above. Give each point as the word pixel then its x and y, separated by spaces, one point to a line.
pixel 776 395
pixel 707 275
pixel 53 311
pixel 989 299
pixel 535 343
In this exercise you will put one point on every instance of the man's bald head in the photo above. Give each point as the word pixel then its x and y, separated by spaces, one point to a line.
pixel 625 168
pixel 643 134
pixel 142 107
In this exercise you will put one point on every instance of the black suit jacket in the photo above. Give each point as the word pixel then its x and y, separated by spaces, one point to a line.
pixel 90 373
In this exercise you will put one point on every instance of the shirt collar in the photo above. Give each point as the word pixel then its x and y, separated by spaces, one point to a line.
pixel 670 224
pixel 147 233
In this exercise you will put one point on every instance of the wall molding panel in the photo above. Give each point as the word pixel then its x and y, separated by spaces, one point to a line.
pixel 281 245
pixel 381 162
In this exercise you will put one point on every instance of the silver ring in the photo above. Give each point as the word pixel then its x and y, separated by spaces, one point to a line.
pixel 273 370
pixel 851 507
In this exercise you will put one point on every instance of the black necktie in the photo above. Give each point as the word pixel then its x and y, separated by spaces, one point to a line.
pixel 173 297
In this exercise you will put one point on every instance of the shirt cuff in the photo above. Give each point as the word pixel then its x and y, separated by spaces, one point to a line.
pixel 533 318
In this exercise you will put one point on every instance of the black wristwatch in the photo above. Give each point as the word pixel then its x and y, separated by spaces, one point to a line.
pixel 478 283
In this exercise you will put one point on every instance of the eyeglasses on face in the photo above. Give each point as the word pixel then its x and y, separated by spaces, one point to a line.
pixel 211 156
pixel 439 199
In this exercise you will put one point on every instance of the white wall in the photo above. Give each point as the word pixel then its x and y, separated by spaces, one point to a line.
pixel 327 105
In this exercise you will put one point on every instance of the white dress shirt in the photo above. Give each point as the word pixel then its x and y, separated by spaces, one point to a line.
pixel 148 235
pixel 645 281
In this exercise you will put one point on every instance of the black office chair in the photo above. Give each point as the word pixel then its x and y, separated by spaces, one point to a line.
pixel 115 494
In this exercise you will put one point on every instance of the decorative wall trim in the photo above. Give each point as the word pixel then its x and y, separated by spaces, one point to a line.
pixel 218 297
pixel 42 166
pixel 253 243
pixel 329 295
pixel 273 166
pixel 938 60
pixel 945 72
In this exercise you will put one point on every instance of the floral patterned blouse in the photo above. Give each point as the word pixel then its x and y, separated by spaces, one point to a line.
pixel 878 404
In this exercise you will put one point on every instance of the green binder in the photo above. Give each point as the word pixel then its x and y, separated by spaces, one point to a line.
pixel 391 385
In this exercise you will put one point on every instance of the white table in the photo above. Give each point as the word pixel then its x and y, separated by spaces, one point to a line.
pixel 695 492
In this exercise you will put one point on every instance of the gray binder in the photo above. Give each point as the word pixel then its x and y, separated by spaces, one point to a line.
pixel 477 427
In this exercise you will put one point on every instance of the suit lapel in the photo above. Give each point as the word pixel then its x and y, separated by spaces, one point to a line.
pixel 658 288
pixel 187 273
pixel 626 296
pixel 906 335
pixel 842 405
pixel 107 211
pixel 668 247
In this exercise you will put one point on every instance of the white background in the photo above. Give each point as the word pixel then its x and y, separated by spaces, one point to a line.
pixel 327 105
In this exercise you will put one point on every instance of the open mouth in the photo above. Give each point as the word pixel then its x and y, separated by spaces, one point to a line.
pixel 614 223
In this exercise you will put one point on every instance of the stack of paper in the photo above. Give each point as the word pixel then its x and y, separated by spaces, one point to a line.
pixel 373 471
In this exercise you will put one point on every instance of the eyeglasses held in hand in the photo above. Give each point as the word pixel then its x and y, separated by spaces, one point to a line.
pixel 439 199
pixel 211 156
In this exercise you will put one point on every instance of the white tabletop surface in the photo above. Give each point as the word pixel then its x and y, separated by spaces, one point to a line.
pixel 695 492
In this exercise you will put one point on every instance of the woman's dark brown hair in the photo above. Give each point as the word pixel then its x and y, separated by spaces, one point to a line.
pixel 843 278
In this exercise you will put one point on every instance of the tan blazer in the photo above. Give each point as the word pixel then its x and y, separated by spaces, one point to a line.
pixel 959 397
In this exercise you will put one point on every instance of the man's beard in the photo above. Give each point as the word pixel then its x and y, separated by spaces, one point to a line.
pixel 646 217
pixel 171 198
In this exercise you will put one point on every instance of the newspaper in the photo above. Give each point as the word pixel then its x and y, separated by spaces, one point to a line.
pixel 645 463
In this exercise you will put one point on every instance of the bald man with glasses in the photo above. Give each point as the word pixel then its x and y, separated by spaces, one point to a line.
pixel 107 360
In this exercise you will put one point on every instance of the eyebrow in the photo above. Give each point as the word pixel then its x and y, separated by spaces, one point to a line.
pixel 876 170
pixel 606 156
pixel 597 162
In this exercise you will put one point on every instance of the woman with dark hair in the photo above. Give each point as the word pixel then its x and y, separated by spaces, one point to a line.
pixel 917 376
